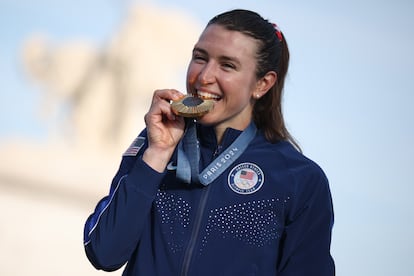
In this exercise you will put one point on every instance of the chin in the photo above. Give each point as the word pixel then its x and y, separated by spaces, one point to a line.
pixel 206 120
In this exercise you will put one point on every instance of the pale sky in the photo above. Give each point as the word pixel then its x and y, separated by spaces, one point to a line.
pixel 348 101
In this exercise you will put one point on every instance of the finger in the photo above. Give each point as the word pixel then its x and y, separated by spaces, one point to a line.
pixel 167 95
pixel 166 110
pixel 159 111
pixel 162 98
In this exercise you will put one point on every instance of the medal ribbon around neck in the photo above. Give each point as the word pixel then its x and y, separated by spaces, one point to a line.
pixel 188 156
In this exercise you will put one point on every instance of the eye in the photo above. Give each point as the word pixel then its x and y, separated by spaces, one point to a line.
pixel 228 63
pixel 228 66
pixel 199 57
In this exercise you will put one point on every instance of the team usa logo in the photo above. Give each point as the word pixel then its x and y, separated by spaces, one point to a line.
pixel 246 178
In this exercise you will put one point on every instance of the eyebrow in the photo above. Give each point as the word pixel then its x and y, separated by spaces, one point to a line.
pixel 221 58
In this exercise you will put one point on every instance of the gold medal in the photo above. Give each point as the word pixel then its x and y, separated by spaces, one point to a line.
pixel 191 106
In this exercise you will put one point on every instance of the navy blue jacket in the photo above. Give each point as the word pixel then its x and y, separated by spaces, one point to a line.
pixel 269 213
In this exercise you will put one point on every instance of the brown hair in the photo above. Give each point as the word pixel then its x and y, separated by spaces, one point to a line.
pixel 272 55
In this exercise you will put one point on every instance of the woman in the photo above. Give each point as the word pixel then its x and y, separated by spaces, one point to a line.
pixel 246 201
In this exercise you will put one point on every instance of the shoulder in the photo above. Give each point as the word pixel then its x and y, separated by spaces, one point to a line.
pixel 296 162
pixel 301 174
pixel 286 155
pixel 308 185
pixel 133 151
pixel 140 142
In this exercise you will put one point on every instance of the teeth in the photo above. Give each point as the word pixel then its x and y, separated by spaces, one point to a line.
pixel 206 95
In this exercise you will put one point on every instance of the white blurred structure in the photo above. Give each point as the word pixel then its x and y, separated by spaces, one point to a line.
pixel 105 92
pixel 94 101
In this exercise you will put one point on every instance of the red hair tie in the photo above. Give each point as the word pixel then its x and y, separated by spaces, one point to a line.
pixel 278 32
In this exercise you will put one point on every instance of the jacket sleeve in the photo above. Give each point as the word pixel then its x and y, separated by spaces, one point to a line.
pixel 112 232
pixel 307 236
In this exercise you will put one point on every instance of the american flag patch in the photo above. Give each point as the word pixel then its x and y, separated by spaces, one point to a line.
pixel 135 147
pixel 246 175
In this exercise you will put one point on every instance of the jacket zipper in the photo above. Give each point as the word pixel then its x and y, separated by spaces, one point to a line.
pixel 195 233
pixel 196 230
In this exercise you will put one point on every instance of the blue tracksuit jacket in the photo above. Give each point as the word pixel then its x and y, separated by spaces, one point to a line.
pixel 269 213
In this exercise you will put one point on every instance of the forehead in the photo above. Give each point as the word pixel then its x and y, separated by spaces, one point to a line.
pixel 216 39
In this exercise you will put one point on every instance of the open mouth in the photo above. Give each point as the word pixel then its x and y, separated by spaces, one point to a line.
pixel 208 96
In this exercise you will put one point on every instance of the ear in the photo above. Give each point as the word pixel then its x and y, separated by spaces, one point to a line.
pixel 265 83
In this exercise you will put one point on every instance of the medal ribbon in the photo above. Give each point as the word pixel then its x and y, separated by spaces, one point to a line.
pixel 188 156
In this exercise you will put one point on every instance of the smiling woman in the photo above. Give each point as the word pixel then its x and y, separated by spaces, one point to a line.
pixel 231 182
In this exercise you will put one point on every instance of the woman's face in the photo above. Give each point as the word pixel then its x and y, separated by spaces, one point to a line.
pixel 223 67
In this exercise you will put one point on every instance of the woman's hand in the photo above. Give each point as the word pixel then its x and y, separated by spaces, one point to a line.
pixel 164 129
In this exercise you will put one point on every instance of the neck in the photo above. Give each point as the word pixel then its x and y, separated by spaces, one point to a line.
pixel 220 129
pixel 219 133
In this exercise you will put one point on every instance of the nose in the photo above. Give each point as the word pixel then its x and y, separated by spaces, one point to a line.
pixel 207 73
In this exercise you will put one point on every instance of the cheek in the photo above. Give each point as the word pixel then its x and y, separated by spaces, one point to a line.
pixel 191 79
pixel 238 99
pixel 192 73
pixel 239 90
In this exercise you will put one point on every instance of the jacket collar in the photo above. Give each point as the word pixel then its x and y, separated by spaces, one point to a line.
pixel 207 136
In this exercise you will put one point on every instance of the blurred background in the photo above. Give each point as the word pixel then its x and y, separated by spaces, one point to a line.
pixel 77 78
